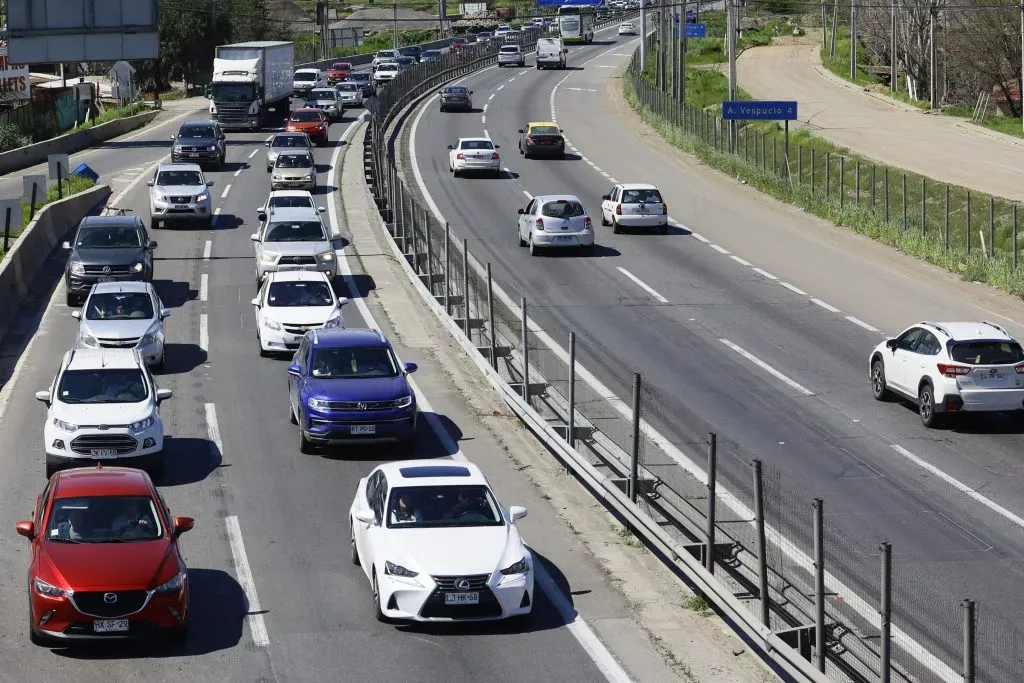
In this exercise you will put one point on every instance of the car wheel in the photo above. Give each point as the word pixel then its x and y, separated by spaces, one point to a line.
pixel 378 612
pixel 615 226
pixel 352 543
pixel 160 365
pixel 534 249
pixel 154 224
pixel 305 447
pixel 926 406
pixel 604 221
pixel 456 172
pixel 70 299
pixel 878 387
pixel 263 352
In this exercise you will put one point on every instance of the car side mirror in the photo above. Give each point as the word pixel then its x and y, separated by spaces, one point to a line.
pixel 163 394
pixel 267 143
pixel 294 369
pixel 451 146
pixel 560 130
pixel 891 344
pixel 470 92
pixel 149 183
pixel 76 314
pixel 521 211
pixel 65 245
pixel 209 183
pixel 165 313
pixel 365 516
pixel 605 197
pixel 321 209
pixel 497 147
pixel 517 512
pixel 410 368
pixel 26 529
pixel 174 137
pixel 153 244
pixel 43 396
pixel 255 302
pixel 183 524
pixel 342 300
pixel 521 131
pixel 254 237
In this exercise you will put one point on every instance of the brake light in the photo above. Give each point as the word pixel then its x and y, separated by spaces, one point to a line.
pixel 1019 369
pixel 460 155
pixel 495 156
pixel 954 370
pixel 539 223
pixel 618 209
pixel 587 224
pixel 664 208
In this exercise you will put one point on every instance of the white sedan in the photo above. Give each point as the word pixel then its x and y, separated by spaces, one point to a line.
pixel 473 155
pixel 627 28
pixel 289 304
pixel 634 205
pixel 436 545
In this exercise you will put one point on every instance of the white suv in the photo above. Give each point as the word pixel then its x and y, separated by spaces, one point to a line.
pixel 103 405
pixel 951 368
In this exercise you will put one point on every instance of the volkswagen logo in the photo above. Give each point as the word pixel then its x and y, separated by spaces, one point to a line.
pixel 361 406
pixel 110 598
pixel 106 270
pixel 993 371
pixel 461 584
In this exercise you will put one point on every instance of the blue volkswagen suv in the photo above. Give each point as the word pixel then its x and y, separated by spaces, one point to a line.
pixel 346 386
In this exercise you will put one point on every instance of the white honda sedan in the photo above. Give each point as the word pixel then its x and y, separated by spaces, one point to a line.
pixel 436 545
pixel 289 304
pixel 474 154
pixel 634 205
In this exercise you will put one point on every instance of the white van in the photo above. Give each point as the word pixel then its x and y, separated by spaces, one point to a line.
pixel 551 53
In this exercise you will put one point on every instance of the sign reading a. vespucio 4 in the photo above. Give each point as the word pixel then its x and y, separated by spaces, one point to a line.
pixel 14 83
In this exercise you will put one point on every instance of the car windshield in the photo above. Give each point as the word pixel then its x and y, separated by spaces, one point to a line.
pixel 563 209
pixel 411 507
pixel 543 130
pixel 288 294
pixel 103 519
pixel 323 93
pixel 342 66
pixel 305 76
pixel 108 385
pixel 640 196
pixel 353 362
pixel 108 237
pixel 179 178
pixel 305 116
pixel 348 87
pixel 119 306
pixel 406 60
pixel 197 132
pixel 291 141
pixel 291 202
pixel 476 144
pixel 294 161
pixel 456 90
pixel 431 53
pixel 359 77
pixel 233 92
pixel 390 66
pixel 387 54
pixel 459 41
pixel 987 352
pixel 509 48
pixel 303 231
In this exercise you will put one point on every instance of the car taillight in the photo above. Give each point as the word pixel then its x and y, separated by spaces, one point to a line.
pixel 664 208
pixel 1019 369
pixel 954 370
pixel 495 156
pixel 587 224
pixel 618 209
pixel 460 155
pixel 539 223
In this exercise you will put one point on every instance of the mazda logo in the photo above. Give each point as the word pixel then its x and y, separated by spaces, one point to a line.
pixel 110 598
pixel 361 406
pixel 106 270
pixel 462 584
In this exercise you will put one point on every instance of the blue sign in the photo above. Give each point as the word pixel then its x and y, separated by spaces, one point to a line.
pixel 691 17
pixel 759 111
pixel 696 30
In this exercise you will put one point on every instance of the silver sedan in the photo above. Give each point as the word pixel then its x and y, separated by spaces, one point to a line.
pixel 294 171
pixel 124 315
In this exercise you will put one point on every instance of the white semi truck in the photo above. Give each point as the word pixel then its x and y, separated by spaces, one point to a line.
pixel 251 82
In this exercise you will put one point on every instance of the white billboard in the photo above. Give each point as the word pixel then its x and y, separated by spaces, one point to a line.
pixel 14 83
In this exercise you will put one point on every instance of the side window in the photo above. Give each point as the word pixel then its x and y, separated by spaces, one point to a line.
pixel 928 344
pixel 531 207
pixel 371 487
pixel 166 510
pixel 379 498
pixel 909 339
pixel 300 355
pixel 44 500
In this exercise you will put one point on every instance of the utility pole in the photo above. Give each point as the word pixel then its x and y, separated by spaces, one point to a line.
pixel 643 36
pixel 933 75
pixel 394 32
pixel 682 59
pixel 1021 63
pixel 442 11
pixel 824 24
pixel 730 24
pixel 853 40
pixel 893 76
pixel 835 26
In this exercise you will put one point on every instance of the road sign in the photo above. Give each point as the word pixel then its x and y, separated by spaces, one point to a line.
pixel 759 111
pixel 696 30
pixel 691 16
pixel 53 31
pixel 58 166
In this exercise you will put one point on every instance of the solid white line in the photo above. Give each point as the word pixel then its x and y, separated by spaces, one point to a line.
pixel 793 288
pixel 740 261
pixel 857 321
pixel 606 175
pixel 204 285
pixel 767 368
pixel 827 307
pixel 213 428
pixel 643 285
pixel 204 332
pixel 254 153
pixel 764 273
pixel 720 250
pixel 207 248
pixel 528 195
pixel 226 190
pixel 700 237
pixel 243 574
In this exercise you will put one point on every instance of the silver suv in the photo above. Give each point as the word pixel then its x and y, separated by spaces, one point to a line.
pixel 293 239
pixel 179 192
pixel 286 142
pixel 350 94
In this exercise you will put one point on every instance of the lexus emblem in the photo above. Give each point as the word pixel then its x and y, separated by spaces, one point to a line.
pixel 106 270
pixel 461 584
pixel 110 598
pixel 361 406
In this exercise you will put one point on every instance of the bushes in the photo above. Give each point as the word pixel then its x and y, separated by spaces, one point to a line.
pixel 11 137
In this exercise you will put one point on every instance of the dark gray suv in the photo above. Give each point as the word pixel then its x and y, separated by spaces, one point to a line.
pixel 107 249
pixel 199 142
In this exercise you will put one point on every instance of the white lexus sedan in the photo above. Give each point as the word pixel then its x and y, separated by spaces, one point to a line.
pixel 474 154
pixel 436 545
pixel 289 304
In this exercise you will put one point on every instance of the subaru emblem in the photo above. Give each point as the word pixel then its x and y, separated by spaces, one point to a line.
pixel 110 598
pixel 106 270
pixel 462 584
pixel 993 371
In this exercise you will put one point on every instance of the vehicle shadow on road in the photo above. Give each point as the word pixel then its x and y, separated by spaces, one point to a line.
pixel 138 144
pixel 363 285
pixel 181 358
pixel 173 293
pixel 599 251
pixel 973 423
pixel 227 221
pixel 427 445
pixel 217 608
pixel 188 460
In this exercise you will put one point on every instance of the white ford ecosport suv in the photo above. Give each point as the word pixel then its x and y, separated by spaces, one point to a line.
pixel 945 368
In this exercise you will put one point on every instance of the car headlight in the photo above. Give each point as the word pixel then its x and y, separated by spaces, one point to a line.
pixel 64 426
pixel 326 256
pixel 272 324
pixel 392 569
pixel 268 258
pixel 403 402
pixel 520 567
pixel 77 268
pixel 307 177
pixel 319 404
pixel 137 268
pixel 334 322
pixel 213 148
pixel 142 425
pixel 172 586
pixel 88 340
pixel 202 197
pixel 277 177
pixel 150 337
pixel 49 590
pixel 177 148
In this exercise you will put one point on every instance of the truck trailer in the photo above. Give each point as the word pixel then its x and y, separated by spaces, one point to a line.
pixel 251 82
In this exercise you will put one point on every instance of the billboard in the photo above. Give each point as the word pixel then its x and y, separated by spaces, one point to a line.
pixel 53 31
pixel 13 79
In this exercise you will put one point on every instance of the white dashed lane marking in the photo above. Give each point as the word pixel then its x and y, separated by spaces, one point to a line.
pixel 826 306
pixel 861 323
pixel 794 289
pixel 768 368
pixel 643 285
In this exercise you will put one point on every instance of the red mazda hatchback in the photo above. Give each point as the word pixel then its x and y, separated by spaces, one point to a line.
pixel 105 559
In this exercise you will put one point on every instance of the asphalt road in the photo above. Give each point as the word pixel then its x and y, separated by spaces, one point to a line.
pixel 234 465
pixel 775 373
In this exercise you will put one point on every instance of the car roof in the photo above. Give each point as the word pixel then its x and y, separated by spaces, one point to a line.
pixel 638 186
pixel 107 359
pixel 970 331
pixel 121 286
pixel 298 276
pixel 476 140
pixel 197 122
pixel 307 70
pixel 101 481
pixel 432 473
pixel 290 193
pixel 347 337
pixel 111 221
pixel 306 110
pixel 284 214
pixel 179 167
pixel 545 198
pixel 531 124
pixel 291 134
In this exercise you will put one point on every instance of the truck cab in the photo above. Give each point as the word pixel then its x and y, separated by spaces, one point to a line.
pixel 249 81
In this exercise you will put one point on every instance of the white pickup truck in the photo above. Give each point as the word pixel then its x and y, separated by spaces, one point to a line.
pixel 550 53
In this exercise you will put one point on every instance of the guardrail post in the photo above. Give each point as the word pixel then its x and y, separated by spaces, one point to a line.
pixel 857 191
pixel 885 189
pixel 415 241
pixel 465 285
pixel 490 319
pixel 992 226
pixel 945 230
pixel 709 554
pixel 904 200
pixel 799 164
pixel 924 206
pixel 524 331
pixel 885 614
pixel 842 181
pixel 1013 235
pixel 430 260
pixel 873 168
pixel 398 214
pixel 447 269
pixel 968 611
pixel 570 435
pixel 762 545
pixel 812 171
pixel 634 464
pixel 7 227
pixel 819 583
pixel 828 175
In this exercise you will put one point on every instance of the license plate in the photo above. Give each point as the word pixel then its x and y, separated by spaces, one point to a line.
pixel 564 238
pixel 192 155
pixel 110 625
pixel 998 377
pixel 105 278
pixel 363 429
pixel 103 453
pixel 462 598
pixel 181 206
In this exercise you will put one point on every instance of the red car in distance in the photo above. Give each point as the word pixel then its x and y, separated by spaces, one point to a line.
pixel 105 559
pixel 310 121
pixel 338 72
pixel 462 47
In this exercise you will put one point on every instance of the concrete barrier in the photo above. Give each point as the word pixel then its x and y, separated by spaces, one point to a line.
pixel 35 244
pixel 36 153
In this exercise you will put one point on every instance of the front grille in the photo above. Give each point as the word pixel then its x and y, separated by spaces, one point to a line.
pixel 93 603
pixel 476 581
pixel 180 200
pixel 118 343
pixel 302 329
pixel 434 607
pixel 359 406
pixel 121 443
pixel 192 149
pixel 101 270
pixel 297 261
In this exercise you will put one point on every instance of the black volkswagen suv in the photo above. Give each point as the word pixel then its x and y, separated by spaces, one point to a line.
pixel 199 142
pixel 107 248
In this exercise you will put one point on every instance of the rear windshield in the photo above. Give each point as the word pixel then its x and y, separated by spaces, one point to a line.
pixel 543 130
pixel 348 87
pixel 359 77
pixel 291 201
pixel 987 353
pixel 510 48
pixel 563 209
pixel 641 197
pixel 304 231
pixel 476 144
pixel 456 90
pixel 290 141
pixel 342 66
pixel 294 161
pixel 387 53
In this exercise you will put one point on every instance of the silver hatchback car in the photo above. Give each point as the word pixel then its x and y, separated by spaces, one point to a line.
pixel 286 142
pixel 558 220
pixel 179 192
pixel 124 315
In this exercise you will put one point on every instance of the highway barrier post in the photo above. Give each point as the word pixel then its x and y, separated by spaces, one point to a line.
pixel 828 175
pixel 885 189
pixel 447 269
pixel 842 181
pixel 904 201
pixel 7 227
pixel 857 173
pixel 465 286
pixel 819 584
pixel 490 320
pixel 924 206
pixel 1013 236
pixel 873 168
pixel 945 229
pixel 525 331
pixel 969 625
pixel 968 222
pixel 885 614
pixel 430 260
pixel 412 229
pixel 812 171
pixel 992 226
pixel 634 464
pixel 762 545
pixel 709 549
pixel 570 432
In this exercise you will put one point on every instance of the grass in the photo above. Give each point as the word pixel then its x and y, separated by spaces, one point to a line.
pixel 697 603
pixel 828 187
pixel 73 185
pixel 112 114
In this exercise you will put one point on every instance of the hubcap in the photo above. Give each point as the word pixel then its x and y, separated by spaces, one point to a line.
pixel 926 404
pixel 876 378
